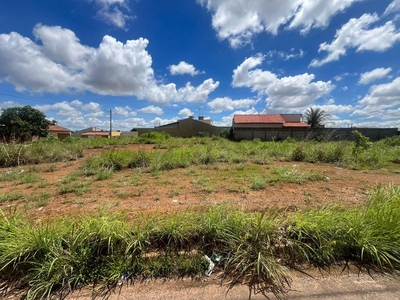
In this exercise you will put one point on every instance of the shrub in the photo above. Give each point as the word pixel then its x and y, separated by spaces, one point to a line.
pixel 298 153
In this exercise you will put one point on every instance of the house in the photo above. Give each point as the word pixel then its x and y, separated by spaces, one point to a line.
pixel 268 127
pixel 185 128
pixel 58 131
pixel 91 132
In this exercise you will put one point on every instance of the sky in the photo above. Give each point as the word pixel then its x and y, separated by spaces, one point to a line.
pixel 152 62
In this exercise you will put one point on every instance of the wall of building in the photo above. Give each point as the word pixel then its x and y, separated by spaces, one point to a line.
pixel 327 134
pixel 184 128
pixel 60 135
pixel 132 134
pixel 258 125
pixel 291 118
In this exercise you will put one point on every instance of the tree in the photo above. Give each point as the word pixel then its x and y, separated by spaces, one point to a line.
pixel 22 123
pixel 315 117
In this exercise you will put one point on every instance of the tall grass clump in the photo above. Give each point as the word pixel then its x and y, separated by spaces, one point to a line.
pixel 153 138
pixel 367 234
pixel 378 228
pixel 140 159
pixel 46 150
pixel 251 260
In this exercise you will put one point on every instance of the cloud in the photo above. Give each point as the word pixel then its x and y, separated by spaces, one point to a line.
pixel 393 7
pixel 109 12
pixel 239 20
pixel 92 106
pixel 183 68
pixel 383 95
pixel 124 111
pixel 8 104
pixel 282 93
pixel 61 46
pixel 62 65
pixel 373 75
pixel 152 110
pixel 186 112
pixel 356 34
pixel 64 108
pixel 219 105
pixel 285 55
pixel 332 109
pixel 159 122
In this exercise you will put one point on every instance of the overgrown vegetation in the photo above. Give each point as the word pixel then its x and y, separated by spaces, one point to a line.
pixel 360 154
pixel 46 258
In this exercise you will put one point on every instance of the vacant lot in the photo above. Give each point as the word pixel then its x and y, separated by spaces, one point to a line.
pixel 264 208
pixel 54 189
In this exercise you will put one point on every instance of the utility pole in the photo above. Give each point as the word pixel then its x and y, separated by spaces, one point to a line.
pixel 110 123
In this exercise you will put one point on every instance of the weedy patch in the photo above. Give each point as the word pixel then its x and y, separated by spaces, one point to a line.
pixel 12 196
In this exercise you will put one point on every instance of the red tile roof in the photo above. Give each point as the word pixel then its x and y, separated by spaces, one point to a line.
pixel 58 128
pixel 266 119
pixel 271 119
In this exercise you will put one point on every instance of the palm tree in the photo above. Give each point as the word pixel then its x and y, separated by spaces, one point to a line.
pixel 315 117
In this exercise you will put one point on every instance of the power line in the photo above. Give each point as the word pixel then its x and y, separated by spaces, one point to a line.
pixel 25 98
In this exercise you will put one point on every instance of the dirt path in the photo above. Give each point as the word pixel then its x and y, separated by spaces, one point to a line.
pixel 350 286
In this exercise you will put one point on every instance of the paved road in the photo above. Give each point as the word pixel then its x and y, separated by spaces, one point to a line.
pixel 351 286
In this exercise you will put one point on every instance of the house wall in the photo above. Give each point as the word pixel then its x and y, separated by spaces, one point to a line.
pixel 258 125
pixel 115 133
pixel 184 128
pixel 328 134
pixel 60 135
pixel 132 134
pixel 80 132
pixel 291 118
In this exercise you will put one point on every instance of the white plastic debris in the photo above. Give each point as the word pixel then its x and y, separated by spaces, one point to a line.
pixel 122 279
pixel 210 266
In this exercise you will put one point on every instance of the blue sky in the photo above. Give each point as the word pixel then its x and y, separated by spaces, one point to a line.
pixel 153 62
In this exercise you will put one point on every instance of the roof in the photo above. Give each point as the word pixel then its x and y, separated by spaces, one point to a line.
pixel 98 133
pixel 266 119
pixel 242 119
pixel 58 128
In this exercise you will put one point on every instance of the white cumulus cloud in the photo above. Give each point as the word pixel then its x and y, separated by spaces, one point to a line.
pixel 239 20
pixel 185 112
pixel 219 105
pixel 110 12
pixel 183 68
pixel 61 64
pixel 124 111
pixel 64 108
pixel 383 95
pixel 357 34
pixel 373 75
pixel 282 93
pixel 152 110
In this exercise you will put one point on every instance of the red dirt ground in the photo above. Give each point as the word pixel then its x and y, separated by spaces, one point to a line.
pixel 132 190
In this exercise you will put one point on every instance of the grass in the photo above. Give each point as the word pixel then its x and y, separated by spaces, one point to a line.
pixel 37 200
pixel 51 257
pixel 12 196
pixel 257 249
